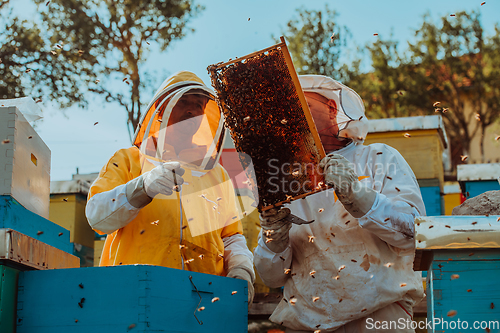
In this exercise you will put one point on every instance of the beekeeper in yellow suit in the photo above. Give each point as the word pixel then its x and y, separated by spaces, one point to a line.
pixel 166 200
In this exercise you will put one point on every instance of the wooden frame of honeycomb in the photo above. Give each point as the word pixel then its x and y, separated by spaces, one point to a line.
pixel 270 122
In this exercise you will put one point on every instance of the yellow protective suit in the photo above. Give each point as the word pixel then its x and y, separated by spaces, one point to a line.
pixel 186 230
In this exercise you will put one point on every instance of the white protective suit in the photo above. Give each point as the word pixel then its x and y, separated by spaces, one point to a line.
pixel 339 268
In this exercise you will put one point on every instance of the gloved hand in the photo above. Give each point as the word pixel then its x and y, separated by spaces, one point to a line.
pixel 275 228
pixel 356 197
pixel 241 273
pixel 163 179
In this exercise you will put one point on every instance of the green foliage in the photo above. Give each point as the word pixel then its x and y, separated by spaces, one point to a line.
pixel 316 41
pixel 453 63
pixel 97 46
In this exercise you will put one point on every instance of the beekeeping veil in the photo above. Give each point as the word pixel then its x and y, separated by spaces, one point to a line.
pixel 350 110
pixel 154 134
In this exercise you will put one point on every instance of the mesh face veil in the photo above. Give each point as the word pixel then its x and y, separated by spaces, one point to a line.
pixel 182 123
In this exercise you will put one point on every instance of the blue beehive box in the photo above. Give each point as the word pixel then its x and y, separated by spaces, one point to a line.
pixel 135 298
pixel 463 289
pixel 476 179
pixel 431 196
pixel 14 216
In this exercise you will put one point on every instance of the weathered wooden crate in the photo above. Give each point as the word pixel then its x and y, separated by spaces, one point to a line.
pixel 135 298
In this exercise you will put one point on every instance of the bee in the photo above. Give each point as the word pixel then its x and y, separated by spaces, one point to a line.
pixel 492 306
pixel 295 173
pixel 131 326
pixel 347 222
pixel 39 233
pixel 220 255
pixel 142 231
pixel 60 234
pixel 447 226
pixel 53 52
pixel 402 285
pixel 452 15
pixel 478 117
pixel 28 70
pixel 287 270
pixel 320 210
pixel 379 153
pixel 341 267
pixel 113 199
pixel 293 301
pixel 247 118
pixel 469 290
pixel 312 273
pixel 201 256
pixel 375 34
pixel 284 121
pixel 268 239
pixel 201 308
pixel 316 298
pixel 317 331
pixel 215 299
pixel 454 276
pixel 182 246
pixel 30 137
pixel 474 223
pixel 155 222
pixel 80 52
pixel 389 264
pixel 363 310
pixel 451 313
pixel 387 219
pixel 58 46
pixel 268 232
pixel 331 233
pixel 97 81
pixel 345 214
pixel 4 142
pixel 340 300
pixel 407 135
pixel 431 226
pixel 445 110
pixel 188 261
pixel 336 277
pixel 281 257
pixel 234 292
pixel 96 123
pixel 354 260
pixel 311 239
pixel 482 3
pixel 397 189
pixel 436 104
pixel 463 157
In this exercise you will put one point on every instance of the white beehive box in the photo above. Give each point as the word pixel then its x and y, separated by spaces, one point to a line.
pixel 24 162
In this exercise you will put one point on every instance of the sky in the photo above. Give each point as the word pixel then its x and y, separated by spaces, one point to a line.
pixel 227 29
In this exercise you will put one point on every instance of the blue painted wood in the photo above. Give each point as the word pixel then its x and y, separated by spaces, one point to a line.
pixel 14 216
pixel 475 188
pixel 136 298
pixel 8 293
pixel 465 281
pixel 432 200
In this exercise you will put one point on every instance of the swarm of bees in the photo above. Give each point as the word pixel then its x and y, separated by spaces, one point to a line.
pixel 264 114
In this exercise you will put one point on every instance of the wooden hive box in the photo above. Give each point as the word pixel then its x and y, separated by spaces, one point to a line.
pixel 423 150
pixel 476 179
pixel 135 298
pixel 423 144
pixel 24 161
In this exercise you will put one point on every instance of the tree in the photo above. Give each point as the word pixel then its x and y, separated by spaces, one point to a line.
pixel 92 45
pixel 19 54
pixel 457 66
pixel 315 42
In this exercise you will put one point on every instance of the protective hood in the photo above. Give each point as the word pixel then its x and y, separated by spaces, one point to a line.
pixel 351 119
pixel 165 135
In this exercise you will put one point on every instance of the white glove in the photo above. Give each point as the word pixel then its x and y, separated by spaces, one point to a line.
pixel 275 228
pixel 163 179
pixel 241 273
pixel 356 197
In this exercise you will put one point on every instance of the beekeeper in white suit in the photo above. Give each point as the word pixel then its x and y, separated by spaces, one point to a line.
pixel 351 270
